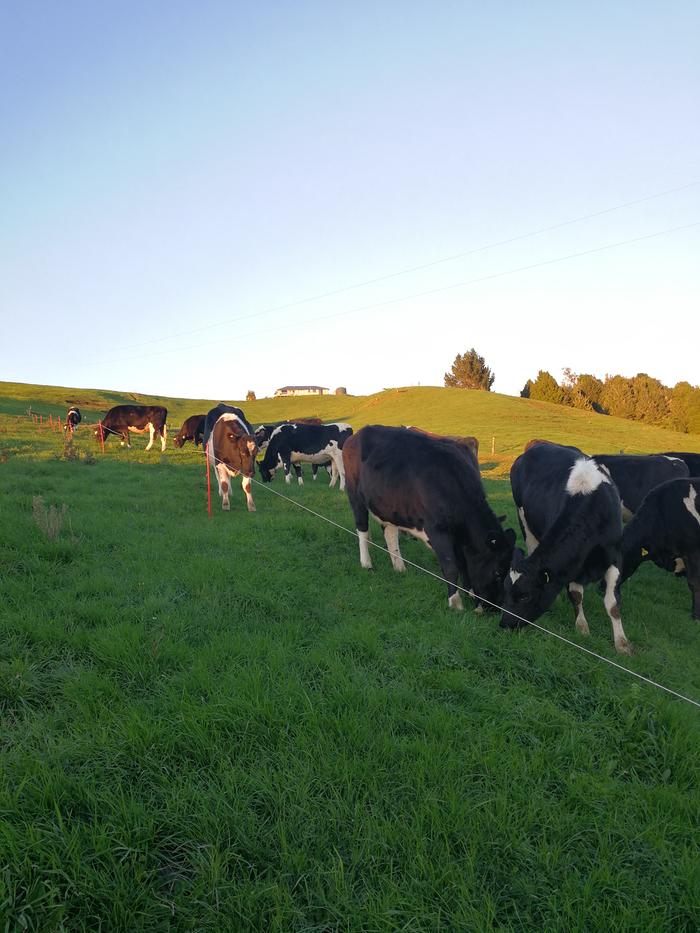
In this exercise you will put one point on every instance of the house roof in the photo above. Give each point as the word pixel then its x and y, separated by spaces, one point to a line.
pixel 285 388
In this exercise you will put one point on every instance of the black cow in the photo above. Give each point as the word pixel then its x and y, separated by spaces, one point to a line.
pixel 570 515
pixel 139 418
pixel 192 430
pixel 231 449
pixel 666 529
pixel 691 460
pixel 309 443
pixel 73 419
pixel 431 489
pixel 635 474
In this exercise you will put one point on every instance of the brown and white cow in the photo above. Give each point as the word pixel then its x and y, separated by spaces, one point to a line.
pixel 231 450
pixel 138 418
pixel 192 430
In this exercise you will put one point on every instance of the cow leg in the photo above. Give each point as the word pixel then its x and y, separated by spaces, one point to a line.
pixel 391 536
pixel 692 567
pixel 222 477
pixel 163 437
pixel 449 565
pixel 361 516
pixel 126 439
pixel 334 473
pixel 612 607
pixel 314 471
pixel 152 434
pixel 246 484
pixel 336 456
pixel 299 474
pixel 287 471
pixel 576 597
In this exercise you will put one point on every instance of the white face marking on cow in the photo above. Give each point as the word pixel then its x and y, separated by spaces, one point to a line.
pixel 673 458
pixel 689 503
pixel 585 477
pixel 231 416
pixel 514 576
pixel 531 541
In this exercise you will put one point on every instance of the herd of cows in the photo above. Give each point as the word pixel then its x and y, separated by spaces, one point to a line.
pixel 584 519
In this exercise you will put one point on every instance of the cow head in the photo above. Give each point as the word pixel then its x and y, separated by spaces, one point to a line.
pixel 530 590
pixel 262 436
pixel 237 450
pixel 488 566
pixel 179 440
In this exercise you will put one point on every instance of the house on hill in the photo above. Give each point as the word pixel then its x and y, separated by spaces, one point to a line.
pixel 302 390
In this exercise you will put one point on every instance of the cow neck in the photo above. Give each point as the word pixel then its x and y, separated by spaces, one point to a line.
pixel 552 553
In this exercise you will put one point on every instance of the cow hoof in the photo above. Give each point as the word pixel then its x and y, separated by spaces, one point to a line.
pixel 479 610
pixel 582 627
pixel 624 647
pixel 455 602
pixel 226 507
pixel 251 508
pixel 367 566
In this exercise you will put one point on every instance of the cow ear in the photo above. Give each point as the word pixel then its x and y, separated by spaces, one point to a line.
pixel 510 537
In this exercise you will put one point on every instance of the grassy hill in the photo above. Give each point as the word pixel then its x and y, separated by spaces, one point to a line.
pixel 511 422
pixel 226 724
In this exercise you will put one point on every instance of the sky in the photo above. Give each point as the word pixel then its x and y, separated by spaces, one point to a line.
pixel 198 199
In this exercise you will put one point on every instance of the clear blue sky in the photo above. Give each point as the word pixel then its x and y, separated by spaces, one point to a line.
pixel 167 166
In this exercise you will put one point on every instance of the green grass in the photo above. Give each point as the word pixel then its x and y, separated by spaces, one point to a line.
pixel 225 724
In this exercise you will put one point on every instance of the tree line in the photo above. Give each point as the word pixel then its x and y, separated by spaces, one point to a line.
pixel 640 397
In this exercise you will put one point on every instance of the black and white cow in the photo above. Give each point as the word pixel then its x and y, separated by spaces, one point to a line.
pixel 73 419
pixel 231 449
pixel 635 474
pixel 429 488
pixel 666 529
pixel 192 430
pixel 138 418
pixel 264 431
pixel 691 460
pixel 570 515
pixel 306 443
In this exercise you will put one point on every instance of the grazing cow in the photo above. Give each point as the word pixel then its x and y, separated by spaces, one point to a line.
pixel 307 443
pixel 431 489
pixel 139 418
pixel 264 431
pixel 570 516
pixel 635 474
pixel 666 529
pixel 192 430
pixel 691 460
pixel 231 449
pixel 73 419
pixel 470 443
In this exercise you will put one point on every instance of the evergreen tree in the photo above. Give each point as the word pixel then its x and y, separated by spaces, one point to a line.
pixel 546 389
pixel 469 371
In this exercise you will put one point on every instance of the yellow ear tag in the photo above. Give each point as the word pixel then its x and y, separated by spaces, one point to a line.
pixel 645 553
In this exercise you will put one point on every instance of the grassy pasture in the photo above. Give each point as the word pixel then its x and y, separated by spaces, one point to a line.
pixel 227 724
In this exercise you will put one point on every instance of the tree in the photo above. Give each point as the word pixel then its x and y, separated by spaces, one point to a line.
pixel 545 389
pixel 469 371
pixel 250 396
pixel 526 389
pixel 650 400
pixel 617 397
